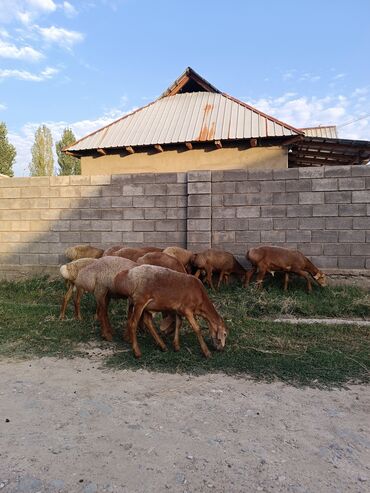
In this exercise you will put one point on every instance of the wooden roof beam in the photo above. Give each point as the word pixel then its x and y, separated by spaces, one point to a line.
pixel 102 152
pixel 158 147
pixel 189 145
pixel 218 144
pixel 130 149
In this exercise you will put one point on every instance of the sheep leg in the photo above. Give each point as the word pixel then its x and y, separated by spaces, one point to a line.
pixel 260 276
pixel 220 279
pixel 248 276
pixel 66 299
pixel 126 332
pixel 77 303
pixel 196 328
pixel 197 274
pixel 176 339
pixel 286 281
pixel 102 310
pixel 148 321
pixel 304 274
pixel 132 327
pixel 209 276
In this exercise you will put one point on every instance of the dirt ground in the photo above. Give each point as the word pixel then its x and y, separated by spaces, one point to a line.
pixel 71 426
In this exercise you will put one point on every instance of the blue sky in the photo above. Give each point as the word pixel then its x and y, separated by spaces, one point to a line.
pixel 84 63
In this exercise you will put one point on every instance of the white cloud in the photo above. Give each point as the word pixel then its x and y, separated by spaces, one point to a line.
pixel 69 9
pixel 9 50
pixel 60 36
pixel 47 73
pixel 43 5
pixel 3 107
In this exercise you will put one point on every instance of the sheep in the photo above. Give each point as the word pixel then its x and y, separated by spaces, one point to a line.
pixel 217 260
pixel 134 253
pixel 83 251
pixel 112 250
pixel 98 278
pixel 163 260
pixel 183 255
pixel 272 259
pixel 157 289
pixel 69 272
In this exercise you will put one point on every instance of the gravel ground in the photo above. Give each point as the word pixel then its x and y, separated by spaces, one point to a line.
pixel 71 426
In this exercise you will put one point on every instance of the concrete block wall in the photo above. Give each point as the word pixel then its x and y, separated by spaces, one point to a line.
pixel 324 212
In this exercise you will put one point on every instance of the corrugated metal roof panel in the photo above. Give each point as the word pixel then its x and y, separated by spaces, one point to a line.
pixel 187 117
pixel 327 132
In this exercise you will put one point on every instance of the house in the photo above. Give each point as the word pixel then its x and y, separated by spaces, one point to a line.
pixel 195 126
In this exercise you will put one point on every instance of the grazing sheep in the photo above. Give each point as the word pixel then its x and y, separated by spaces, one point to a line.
pixel 112 250
pixel 217 260
pixel 156 289
pixel 135 253
pixel 70 272
pixel 83 251
pixel 183 255
pixel 272 259
pixel 163 260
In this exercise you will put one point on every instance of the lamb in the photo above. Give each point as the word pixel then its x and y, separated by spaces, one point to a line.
pixel 83 251
pixel 217 260
pixel 157 289
pixel 183 255
pixel 112 250
pixel 98 278
pixel 271 259
pixel 134 253
pixel 70 272
pixel 163 260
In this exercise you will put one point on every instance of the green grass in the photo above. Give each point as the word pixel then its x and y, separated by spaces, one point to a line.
pixel 257 347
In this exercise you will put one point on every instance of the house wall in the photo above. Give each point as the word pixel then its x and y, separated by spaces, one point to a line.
pixel 324 212
pixel 186 160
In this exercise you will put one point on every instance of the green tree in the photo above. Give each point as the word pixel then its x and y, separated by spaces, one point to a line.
pixel 7 152
pixel 68 165
pixel 42 163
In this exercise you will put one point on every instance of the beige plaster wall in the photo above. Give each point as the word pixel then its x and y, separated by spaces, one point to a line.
pixel 195 159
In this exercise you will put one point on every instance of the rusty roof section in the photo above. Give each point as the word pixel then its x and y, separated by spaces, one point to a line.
pixel 323 131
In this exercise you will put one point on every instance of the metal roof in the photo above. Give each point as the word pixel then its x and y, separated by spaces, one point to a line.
pixel 326 132
pixel 186 117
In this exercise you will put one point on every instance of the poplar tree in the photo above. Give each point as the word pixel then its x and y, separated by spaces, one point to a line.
pixel 42 163
pixel 68 165
pixel 7 152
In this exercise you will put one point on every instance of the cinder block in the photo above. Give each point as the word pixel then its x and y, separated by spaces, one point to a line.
pixel 247 186
pixel 48 259
pixel 325 184
pixel 224 236
pixel 335 249
pixel 224 187
pixel 79 180
pixel 352 209
pixel 351 183
pixel 248 211
pixel 108 214
pixel 197 237
pixel 198 176
pixel 248 237
pixel 273 186
pixel 133 214
pixel 236 199
pixel 217 175
pixel 166 201
pixel 325 262
pixel 59 181
pixel 121 179
pixel 70 238
pixel 12 259
pixel 108 202
pixel 360 170
pixel 182 177
pixel 312 223
pixel 91 214
pixel 199 188
pixel 143 201
pixel 361 223
pixel 22 225
pixel 338 197
pixel 361 196
pixel 111 191
pixel 285 174
pixel 100 179
pixel 199 212
pixel 12 193
pixel 81 225
pixel 153 237
pixel 311 197
pixel 339 223
pixel 223 212
pixel 235 175
pixel 99 225
pixel 285 198
pixel 218 224
pixel 71 191
pixel 301 185
pixel 139 178
pixel 259 198
pixel 235 224
pixel 132 237
pixel 176 238
pixel 176 189
pixel 155 213
pixel 351 236
pixel 273 211
pixel 56 226
pixel 337 171
pixel 299 211
pixel 311 172
pixel 166 225
pixel 259 174
pixel 360 249
pixel 29 259
pixel 309 249
pixel 51 237
pixel 139 190
pixel 285 223
pixel 200 200
pixel 41 226
pixel 145 225
pixel 293 236
pixel 272 236
pixel 199 224
pixel 111 237
pixel 262 224
pixel 125 225
pixel 176 213
pixel 318 236
pixel 166 178
pixel 325 210
pixel 351 262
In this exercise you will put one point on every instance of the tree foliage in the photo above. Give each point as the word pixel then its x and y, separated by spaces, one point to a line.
pixel 42 163
pixel 7 152
pixel 68 165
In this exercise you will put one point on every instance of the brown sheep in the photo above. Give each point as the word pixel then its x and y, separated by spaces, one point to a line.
pixel 272 259
pixel 163 260
pixel 135 253
pixel 98 278
pixel 156 289
pixel 83 251
pixel 219 261
pixel 112 250
pixel 69 272
pixel 183 255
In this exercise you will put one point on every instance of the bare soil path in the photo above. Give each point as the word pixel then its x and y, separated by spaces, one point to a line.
pixel 71 426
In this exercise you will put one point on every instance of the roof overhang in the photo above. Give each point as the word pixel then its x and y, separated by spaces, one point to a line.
pixel 316 151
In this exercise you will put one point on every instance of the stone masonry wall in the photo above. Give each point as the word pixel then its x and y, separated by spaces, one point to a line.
pixel 324 212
